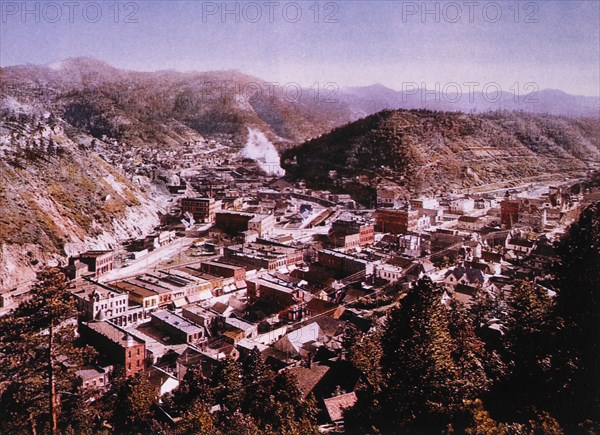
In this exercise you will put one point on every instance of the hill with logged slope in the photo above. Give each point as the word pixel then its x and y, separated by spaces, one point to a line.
pixel 428 151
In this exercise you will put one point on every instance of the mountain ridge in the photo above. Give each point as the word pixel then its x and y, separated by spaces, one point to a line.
pixel 434 152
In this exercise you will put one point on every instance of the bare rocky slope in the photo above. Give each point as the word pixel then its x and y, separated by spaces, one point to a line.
pixel 56 196
pixel 429 151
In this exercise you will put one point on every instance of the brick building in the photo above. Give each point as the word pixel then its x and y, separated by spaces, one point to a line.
pixel 344 264
pixel 396 221
pixel 509 213
pixel 233 222
pixel 263 256
pixel 203 209
pixel 238 273
pixel 365 231
pixel 116 344
pixel 97 262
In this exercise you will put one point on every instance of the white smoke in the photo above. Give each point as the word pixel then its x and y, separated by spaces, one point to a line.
pixel 260 149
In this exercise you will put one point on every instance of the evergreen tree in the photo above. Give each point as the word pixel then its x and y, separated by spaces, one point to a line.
pixel 528 345
pixel 424 365
pixel 258 379
pixel 131 402
pixel 198 420
pixel 577 359
pixel 194 387
pixel 227 385
pixel 295 415
pixel 364 352
pixel 32 338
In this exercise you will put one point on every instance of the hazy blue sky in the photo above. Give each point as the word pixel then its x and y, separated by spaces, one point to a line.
pixel 555 44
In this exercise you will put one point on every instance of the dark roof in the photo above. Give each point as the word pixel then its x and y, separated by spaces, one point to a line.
pixel 492 257
pixel 468 219
pixel 330 326
pixel 308 378
pixel 219 307
pixel 466 289
pixel 335 406
pixel 319 306
pixel 544 250
pixel 472 275
pixel 521 242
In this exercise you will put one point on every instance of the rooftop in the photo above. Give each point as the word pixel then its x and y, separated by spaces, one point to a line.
pixel 114 334
pixel 177 321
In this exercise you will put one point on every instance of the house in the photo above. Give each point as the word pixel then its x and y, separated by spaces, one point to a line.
pixel 310 378
pixel 471 223
pixel 250 330
pixel 389 272
pixel 300 342
pixel 464 275
pixel 520 245
pixel 462 205
pixel 93 377
pixel 162 381
pixel 336 406
pixel 388 196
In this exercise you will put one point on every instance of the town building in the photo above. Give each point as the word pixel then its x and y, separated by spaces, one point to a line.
pixel 233 222
pixel 264 256
pixel 116 344
pixel 262 224
pixel 178 327
pixel 396 221
pixel 97 262
pixel 203 209
pixel 509 213
pixel 96 302
pixel 347 227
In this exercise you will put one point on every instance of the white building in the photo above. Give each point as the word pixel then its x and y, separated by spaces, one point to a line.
pixel 98 303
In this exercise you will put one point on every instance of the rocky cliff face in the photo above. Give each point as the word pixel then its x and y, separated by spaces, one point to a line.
pixel 429 151
pixel 57 196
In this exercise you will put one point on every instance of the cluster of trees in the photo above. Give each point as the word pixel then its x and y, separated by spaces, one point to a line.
pixel 251 398
pixel 434 366
pixel 41 393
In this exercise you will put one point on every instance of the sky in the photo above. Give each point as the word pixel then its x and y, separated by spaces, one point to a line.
pixel 514 44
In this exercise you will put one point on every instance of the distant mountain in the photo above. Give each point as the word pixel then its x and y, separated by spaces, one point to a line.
pixel 363 101
pixel 429 151
pixel 168 107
